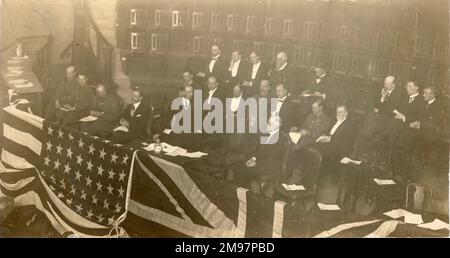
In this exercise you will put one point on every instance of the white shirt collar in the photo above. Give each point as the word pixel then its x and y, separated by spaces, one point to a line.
pixel 282 67
pixel 431 101
pixel 212 91
pixel 283 98
pixel 414 95
pixel 215 57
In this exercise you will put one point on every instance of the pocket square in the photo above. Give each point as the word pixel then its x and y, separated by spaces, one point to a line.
pixel 139 115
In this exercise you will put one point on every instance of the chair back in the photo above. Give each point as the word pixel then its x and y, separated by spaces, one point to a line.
pixel 418 197
pixel 311 162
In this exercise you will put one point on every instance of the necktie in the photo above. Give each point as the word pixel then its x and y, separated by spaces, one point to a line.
pixel 411 99
pixel 133 108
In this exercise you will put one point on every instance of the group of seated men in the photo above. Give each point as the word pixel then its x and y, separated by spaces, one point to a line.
pixel 400 117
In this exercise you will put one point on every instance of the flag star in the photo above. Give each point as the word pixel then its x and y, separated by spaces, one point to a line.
pixel 83 195
pixel 58 149
pixel 60 195
pixel 80 143
pixel 53 178
pixel 60 133
pixel 67 168
pixel 110 189
pixel 69 201
pixel 94 199
pixel 52 187
pixel 49 146
pixel 100 170
pixel 57 164
pixel 79 208
pixel 102 154
pixel 117 145
pixel 73 190
pixel 122 176
pixel 111 221
pixel 70 136
pixel 99 186
pixel 125 159
pixel 47 161
pixel 118 208
pixel 114 157
pixel 121 191
pixel 89 165
pixel 100 218
pixel 77 175
pixel 106 141
pixel 111 174
pixel 63 184
pixel 50 130
pixel 69 153
pixel 89 214
pixel 91 149
pixel 79 159
pixel 88 181
pixel 106 204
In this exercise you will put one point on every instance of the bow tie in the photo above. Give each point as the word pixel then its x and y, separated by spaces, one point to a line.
pixel 214 58
pixel 411 99
pixel 281 100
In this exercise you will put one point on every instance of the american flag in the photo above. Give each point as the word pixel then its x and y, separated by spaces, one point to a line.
pixel 87 174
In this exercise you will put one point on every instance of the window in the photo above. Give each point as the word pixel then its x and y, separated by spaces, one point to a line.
pixel 242 45
pixel 136 16
pixel 250 23
pixel 137 41
pixel 270 25
pixel 214 20
pixel 379 69
pixel 310 30
pixel 359 66
pixel 384 40
pixel 288 27
pixel 158 15
pixel 328 31
pixel 196 44
pixel 341 62
pixel 177 18
pixel 196 19
pixel 230 22
pixel 303 57
pixel 264 49
pixel 157 42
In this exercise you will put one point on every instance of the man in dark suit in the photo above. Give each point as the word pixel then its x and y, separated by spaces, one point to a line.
pixel 256 72
pixel 431 118
pixel 285 108
pixel 236 71
pixel 267 158
pixel 322 86
pixel 106 110
pixel 338 142
pixel 188 79
pixel 216 66
pixel 409 114
pixel 133 121
pixel 284 74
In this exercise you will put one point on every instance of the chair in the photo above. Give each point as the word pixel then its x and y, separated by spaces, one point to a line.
pixel 418 197
pixel 311 162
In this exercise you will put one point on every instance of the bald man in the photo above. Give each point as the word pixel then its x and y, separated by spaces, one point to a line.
pixel 284 74
pixel 106 108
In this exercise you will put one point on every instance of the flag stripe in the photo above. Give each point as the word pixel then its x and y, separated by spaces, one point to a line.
pixel 12 161
pixel 22 138
pixel 20 152
pixel 12 177
pixel 28 126
pixel 278 218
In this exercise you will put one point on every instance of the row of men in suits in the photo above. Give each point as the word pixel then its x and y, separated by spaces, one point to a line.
pixel 403 116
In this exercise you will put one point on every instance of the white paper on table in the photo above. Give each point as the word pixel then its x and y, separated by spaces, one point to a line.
pixel 14 61
pixel 293 187
pixel 26 85
pixel 168 148
pixel 412 218
pixel 295 137
pixel 18 81
pixel 150 147
pixel 197 154
pixel 321 138
pixel 346 160
pixel 88 119
pixel 14 68
pixel 12 75
pixel 328 207
pixel 177 152
pixel 436 224
pixel 20 57
pixel 397 213
pixel 384 181
pixel 121 128
pixel 144 144
pixel 167 131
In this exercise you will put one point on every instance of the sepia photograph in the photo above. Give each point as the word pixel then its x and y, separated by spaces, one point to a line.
pixel 239 121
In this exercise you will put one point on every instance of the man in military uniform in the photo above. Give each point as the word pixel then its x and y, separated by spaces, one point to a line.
pixel 105 111
pixel 75 101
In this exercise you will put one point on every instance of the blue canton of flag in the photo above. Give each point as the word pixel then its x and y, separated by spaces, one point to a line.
pixel 89 175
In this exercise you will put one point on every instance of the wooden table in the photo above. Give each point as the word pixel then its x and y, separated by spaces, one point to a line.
pixel 25 65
